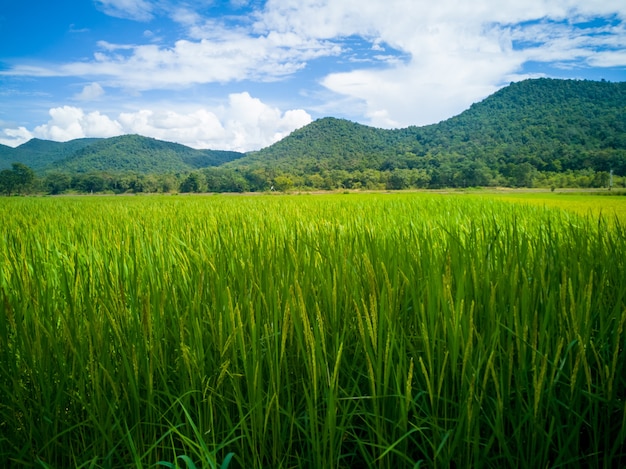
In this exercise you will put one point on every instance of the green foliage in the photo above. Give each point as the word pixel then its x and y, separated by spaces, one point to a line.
pixel 283 183
pixel 6 156
pixel 17 179
pixel 8 181
pixel 551 124
pixel 194 182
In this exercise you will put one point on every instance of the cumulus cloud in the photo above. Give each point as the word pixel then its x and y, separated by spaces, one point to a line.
pixel 90 92
pixel 68 123
pixel 253 124
pixel 15 137
pixel 442 78
pixel 243 124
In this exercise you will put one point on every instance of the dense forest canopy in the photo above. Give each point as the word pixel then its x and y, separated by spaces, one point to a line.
pixel 541 132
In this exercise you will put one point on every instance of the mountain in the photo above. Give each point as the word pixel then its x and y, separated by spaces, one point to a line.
pixel 327 143
pixel 539 127
pixel 6 153
pixel 142 155
pixel 552 125
pixel 127 153
pixel 38 154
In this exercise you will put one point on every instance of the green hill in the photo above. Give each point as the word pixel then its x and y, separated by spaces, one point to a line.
pixel 327 143
pixel 39 154
pixel 553 125
pixel 127 153
pixel 6 155
pixel 141 155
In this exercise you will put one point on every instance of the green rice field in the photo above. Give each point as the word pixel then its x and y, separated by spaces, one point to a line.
pixel 607 204
pixel 389 330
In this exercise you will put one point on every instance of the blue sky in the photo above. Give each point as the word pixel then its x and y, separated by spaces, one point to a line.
pixel 240 74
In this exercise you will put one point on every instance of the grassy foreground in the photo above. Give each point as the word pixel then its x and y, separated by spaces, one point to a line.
pixel 388 330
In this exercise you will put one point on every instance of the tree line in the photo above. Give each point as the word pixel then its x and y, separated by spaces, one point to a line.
pixel 22 180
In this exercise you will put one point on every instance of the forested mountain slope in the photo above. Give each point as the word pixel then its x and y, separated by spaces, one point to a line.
pixel 38 154
pixel 142 155
pixel 127 153
pixel 327 143
pixel 553 125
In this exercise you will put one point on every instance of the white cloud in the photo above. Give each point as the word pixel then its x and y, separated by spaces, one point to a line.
pixel 15 137
pixel 608 59
pixel 458 52
pixel 243 124
pixel 450 53
pixel 68 123
pixel 90 92
pixel 235 57
pixel 139 10
pixel 251 124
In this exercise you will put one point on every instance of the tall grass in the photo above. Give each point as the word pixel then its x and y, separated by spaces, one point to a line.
pixel 310 331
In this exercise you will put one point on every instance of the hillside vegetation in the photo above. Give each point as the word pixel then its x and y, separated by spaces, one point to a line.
pixel 534 125
pixel 39 154
pixel 127 153
pixel 143 155
pixel 544 132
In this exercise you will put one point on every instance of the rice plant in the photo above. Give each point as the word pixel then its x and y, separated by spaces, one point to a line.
pixel 360 330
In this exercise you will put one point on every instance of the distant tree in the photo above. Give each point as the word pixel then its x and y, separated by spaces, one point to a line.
pixel 17 179
pixel 57 183
pixel 338 179
pixel 24 175
pixel 314 181
pixel 195 182
pixel 92 182
pixel 523 175
pixel 168 183
pixel 371 179
pixel 144 183
pixel 234 181
pixel 257 180
pixel 419 178
pixel 7 182
pixel 283 183
pixel 399 179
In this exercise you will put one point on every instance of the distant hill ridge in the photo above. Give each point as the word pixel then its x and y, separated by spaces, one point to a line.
pixel 549 124
pixel 126 153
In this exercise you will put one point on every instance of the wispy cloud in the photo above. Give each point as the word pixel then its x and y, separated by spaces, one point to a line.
pixel 74 30
pixel 281 39
pixel 145 67
pixel 139 10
